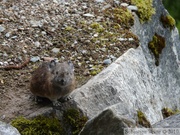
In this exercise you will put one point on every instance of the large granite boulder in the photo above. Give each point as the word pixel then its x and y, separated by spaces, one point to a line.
pixel 134 79
pixel 111 121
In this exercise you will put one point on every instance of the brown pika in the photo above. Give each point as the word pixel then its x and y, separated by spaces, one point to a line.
pixel 53 80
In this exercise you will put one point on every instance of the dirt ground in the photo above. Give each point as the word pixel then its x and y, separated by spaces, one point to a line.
pixel 85 32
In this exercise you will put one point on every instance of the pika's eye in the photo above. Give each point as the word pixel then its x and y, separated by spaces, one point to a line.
pixel 56 72
pixel 67 73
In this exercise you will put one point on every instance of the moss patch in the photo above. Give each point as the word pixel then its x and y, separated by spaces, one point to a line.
pixel 156 46
pixel 142 120
pixel 121 16
pixel 40 125
pixel 168 21
pixel 72 123
pixel 145 9
pixel 166 112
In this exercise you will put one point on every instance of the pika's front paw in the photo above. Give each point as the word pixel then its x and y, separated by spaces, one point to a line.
pixel 57 103
pixel 64 99
pixel 67 98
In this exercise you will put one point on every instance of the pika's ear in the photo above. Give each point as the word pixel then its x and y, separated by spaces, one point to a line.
pixel 52 64
pixel 71 65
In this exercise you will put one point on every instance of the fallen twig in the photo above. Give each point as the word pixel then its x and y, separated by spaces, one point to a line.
pixel 9 67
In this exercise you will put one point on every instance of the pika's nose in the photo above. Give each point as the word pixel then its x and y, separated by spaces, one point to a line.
pixel 62 82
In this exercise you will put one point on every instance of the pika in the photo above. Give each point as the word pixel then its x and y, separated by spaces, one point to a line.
pixel 53 80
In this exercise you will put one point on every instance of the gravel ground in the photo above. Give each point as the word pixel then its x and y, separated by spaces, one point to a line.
pixel 92 34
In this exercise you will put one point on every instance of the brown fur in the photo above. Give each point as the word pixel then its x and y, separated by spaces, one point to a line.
pixel 53 80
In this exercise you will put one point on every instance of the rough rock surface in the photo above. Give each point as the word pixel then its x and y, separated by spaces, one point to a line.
pixel 134 79
pixel 6 129
pixel 117 119
pixel 170 122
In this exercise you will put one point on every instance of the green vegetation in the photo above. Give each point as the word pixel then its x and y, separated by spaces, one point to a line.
pixel 145 9
pixel 142 120
pixel 168 21
pixel 40 125
pixel 72 123
pixel 121 16
pixel 174 9
pixel 166 112
pixel 156 46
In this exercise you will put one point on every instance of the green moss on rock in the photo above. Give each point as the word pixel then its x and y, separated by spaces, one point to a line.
pixel 166 112
pixel 168 21
pixel 156 46
pixel 72 123
pixel 142 120
pixel 40 125
pixel 145 9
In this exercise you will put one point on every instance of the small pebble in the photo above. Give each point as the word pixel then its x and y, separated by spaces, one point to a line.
pixel 124 4
pixel 132 8
pixel 37 44
pixel 88 15
pixel 2 28
pixel 35 59
pixel 14 37
pixel 130 39
pixel 3 117
pixel 8 34
pixel 55 50
pixel 107 61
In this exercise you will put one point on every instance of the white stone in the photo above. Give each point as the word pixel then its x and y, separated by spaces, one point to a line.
pixel 124 4
pixel 132 8
pixel 56 50
pixel 88 15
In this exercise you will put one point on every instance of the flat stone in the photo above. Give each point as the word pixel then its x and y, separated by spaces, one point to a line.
pixel 107 61
pixel 55 50
pixel 124 4
pixel 132 8
pixel 88 15
pixel 35 59
pixel 2 28
pixel 112 120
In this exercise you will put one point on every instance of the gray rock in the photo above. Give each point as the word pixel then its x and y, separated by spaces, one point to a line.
pixel 134 79
pixel 8 34
pixel 35 23
pixel 35 59
pixel 101 1
pixel 2 28
pixel 111 121
pixel 55 50
pixel 170 122
pixel 132 8
pixel 124 4
pixel 107 61
pixel 37 44
pixel 7 129
pixel 88 15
